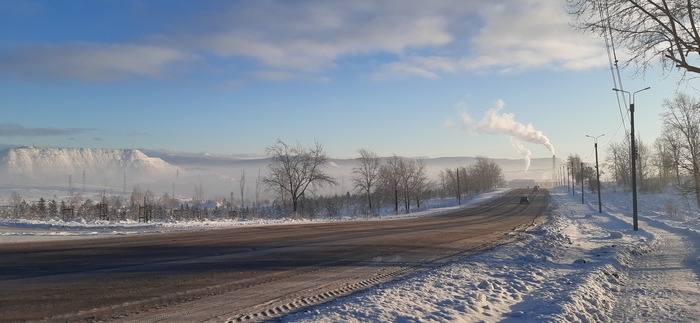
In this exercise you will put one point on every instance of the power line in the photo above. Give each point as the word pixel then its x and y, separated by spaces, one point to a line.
pixel 614 67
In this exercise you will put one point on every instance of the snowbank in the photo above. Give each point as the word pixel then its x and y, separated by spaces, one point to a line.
pixel 581 266
pixel 573 268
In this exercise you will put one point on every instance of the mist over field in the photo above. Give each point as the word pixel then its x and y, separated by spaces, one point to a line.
pixel 117 171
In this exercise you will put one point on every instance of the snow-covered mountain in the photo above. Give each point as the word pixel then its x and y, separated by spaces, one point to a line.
pixel 44 165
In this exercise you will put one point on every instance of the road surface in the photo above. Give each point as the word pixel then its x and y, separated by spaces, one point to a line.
pixel 246 273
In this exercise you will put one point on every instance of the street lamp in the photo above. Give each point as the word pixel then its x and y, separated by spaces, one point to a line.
pixel 597 171
pixel 634 155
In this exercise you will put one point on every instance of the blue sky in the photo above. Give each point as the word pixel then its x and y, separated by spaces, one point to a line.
pixel 413 78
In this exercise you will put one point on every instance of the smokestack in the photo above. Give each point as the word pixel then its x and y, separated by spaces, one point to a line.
pixel 554 167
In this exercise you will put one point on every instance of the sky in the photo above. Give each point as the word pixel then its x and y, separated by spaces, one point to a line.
pixel 502 79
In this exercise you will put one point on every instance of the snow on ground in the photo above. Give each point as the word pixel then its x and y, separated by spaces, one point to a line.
pixel 581 266
pixel 21 230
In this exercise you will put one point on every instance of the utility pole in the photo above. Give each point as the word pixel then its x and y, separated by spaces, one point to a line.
pixel 633 152
pixel 459 193
pixel 582 184
pixel 70 188
pixel 573 180
pixel 597 170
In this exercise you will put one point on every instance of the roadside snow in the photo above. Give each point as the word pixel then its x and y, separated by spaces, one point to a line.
pixel 662 281
pixel 47 230
pixel 581 266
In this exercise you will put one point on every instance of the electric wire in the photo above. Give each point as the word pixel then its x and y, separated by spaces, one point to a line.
pixel 614 68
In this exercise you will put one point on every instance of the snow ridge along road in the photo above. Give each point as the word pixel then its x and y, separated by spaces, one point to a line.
pixel 242 274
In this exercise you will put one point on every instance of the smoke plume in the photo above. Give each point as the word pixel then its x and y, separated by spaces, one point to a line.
pixel 518 146
pixel 497 122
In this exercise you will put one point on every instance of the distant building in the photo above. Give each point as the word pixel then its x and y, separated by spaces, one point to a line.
pixel 522 183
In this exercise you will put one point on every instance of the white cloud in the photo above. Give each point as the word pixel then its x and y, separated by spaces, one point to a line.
pixel 279 40
pixel 93 62
pixel 534 34
pixel 514 36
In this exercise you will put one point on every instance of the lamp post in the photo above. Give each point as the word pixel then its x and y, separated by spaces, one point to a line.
pixel 597 171
pixel 633 152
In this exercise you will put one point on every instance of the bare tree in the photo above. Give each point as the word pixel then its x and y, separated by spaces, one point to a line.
pixel 419 183
pixel 574 161
pixel 662 161
pixel 390 174
pixel 136 195
pixel 365 176
pixel 258 188
pixel 649 29
pixel 294 170
pixel 682 116
pixel 199 193
pixel 671 141
pixel 619 161
pixel 169 202
pixel 452 182
pixel 644 171
pixel 242 186
pixel 16 198
pixel 485 175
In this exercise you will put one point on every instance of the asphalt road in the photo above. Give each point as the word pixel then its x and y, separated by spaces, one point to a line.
pixel 245 273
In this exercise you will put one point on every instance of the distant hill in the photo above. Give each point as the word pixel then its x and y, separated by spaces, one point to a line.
pixel 165 171
pixel 53 166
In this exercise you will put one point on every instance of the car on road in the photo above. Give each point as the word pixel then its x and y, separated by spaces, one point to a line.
pixel 525 200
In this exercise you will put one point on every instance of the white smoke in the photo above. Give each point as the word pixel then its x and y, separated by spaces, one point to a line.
pixel 526 153
pixel 497 122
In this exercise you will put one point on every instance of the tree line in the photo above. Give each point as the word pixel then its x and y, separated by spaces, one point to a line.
pixel 295 176
pixel 664 32
pixel 401 182
pixel 672 159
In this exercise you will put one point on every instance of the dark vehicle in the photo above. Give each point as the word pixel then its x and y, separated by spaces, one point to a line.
pixel 537 188
pixel 524 199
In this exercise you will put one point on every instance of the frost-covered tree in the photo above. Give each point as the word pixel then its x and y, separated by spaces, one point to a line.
pixel 485 175
pixel 53 208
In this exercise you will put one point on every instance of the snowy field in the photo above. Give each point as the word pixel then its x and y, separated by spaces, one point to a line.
pixel 46 230
pixel 581 266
